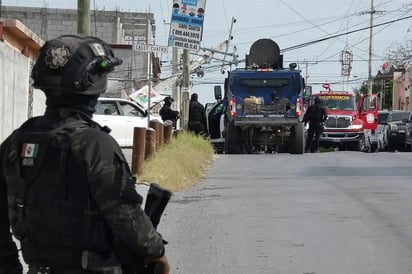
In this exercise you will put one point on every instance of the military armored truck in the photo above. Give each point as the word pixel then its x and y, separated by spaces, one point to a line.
pixel 264 104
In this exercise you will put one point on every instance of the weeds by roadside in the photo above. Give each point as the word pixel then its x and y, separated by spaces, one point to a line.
pixel 180 164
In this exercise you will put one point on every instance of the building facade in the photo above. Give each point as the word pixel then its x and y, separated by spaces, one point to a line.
pixel 115 27
pixel 402 84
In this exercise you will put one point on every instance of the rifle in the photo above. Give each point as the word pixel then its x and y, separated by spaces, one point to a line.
pixel 156 202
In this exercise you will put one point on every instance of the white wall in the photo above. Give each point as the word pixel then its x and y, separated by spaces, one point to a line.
pixel 39 102
pixel 14 91
pixel 14 86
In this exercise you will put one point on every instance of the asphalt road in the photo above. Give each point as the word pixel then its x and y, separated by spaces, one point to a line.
pixel 325 213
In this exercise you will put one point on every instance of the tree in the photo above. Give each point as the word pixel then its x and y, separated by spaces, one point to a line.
pixel 400 54
pixel 378 88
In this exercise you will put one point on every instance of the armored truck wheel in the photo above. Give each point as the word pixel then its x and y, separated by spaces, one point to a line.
pixel 296 144
pixel 232 145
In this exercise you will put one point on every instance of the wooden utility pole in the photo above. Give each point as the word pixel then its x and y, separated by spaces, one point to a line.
pixel 370 51
pixel 149 70
pixel 175 85
pixel 228 42
pixel 83 17
pixel 185 92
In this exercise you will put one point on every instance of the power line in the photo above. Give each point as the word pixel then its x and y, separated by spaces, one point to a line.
pixel 341 34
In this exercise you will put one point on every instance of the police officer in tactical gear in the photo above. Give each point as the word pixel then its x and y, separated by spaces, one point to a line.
pixel 197 116
pixel 316 116
pixel 66 189
pixel 166 112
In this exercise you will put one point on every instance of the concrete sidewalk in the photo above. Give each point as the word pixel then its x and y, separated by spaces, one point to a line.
pixel 128 154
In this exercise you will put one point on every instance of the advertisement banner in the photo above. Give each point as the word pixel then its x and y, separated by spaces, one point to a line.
pixel 141 97
pixel 187 24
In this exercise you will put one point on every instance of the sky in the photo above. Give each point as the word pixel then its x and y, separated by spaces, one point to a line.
pixel 289 23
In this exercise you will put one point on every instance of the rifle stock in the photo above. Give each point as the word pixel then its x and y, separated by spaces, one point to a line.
pixel 156 202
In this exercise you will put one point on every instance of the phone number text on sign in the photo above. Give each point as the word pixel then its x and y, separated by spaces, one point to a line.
pixel 185 36
pixel 187 33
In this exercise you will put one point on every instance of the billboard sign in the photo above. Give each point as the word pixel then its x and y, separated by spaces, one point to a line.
pixel 141 97
pixel 186 26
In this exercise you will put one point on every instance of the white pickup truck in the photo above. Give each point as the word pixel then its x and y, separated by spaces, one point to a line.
pixel 122 116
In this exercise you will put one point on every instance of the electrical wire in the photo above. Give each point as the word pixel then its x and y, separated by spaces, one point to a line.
pixel 224 11
pixel 341 34
pixel 216 67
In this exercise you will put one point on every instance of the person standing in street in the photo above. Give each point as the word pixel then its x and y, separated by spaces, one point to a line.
pixel 316 116
pixel 197 116
pixel 66 190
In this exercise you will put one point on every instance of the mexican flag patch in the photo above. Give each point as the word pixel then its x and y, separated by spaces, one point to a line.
pixel 29 150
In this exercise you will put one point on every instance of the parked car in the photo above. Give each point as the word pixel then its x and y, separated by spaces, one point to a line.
pixel 408 133
pixel 394 130
pixel 122 116
pixel 379 132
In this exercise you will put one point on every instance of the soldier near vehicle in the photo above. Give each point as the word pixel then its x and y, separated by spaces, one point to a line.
pixel 315 115
pixel 197 116
pixel 167 113
pixel 66 189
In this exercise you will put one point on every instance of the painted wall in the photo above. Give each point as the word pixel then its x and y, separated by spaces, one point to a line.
pixel 14 95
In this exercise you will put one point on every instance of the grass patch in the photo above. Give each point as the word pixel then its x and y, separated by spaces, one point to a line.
pixel 180 164
pixel 329 149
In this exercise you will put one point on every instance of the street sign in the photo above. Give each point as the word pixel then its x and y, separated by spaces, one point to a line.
pixel 186 24
pixel 151 48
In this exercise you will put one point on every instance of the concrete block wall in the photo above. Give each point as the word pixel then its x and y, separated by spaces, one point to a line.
pixel 111 26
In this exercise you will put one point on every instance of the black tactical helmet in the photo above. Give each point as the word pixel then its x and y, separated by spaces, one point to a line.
pixel 317 100
pixel 71 64
pixel 169 100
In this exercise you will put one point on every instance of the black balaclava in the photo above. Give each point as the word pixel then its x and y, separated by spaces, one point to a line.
pixel 84 104
pixel 194 97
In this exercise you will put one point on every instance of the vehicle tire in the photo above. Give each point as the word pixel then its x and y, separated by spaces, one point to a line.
pixel 296 144
pixel 360 144
pixel 409 147
pixel 390 147
pixel 232 145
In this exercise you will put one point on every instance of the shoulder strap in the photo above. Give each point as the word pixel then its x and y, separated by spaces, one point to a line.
pixel 16 175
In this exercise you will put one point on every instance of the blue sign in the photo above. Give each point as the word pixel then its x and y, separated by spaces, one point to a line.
pixel 187 24
pixel 190 2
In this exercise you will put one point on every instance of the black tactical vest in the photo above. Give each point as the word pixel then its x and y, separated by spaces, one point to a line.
pixel 50 207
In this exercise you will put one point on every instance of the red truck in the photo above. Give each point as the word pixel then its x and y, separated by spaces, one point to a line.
pixel 351 123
